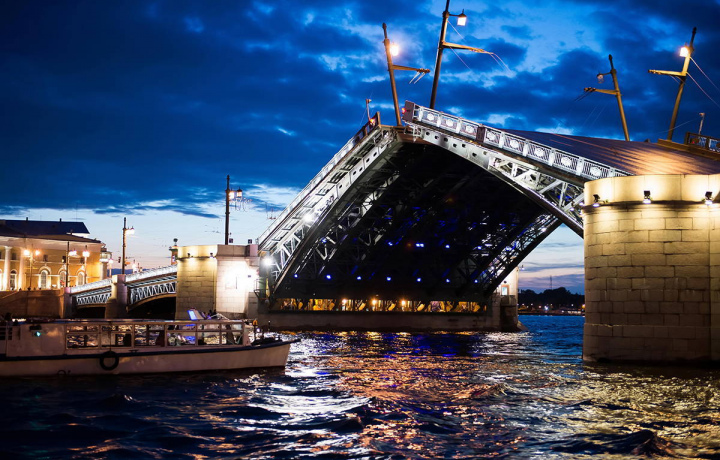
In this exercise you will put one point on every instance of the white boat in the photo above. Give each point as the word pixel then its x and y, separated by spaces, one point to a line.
pixel 91 347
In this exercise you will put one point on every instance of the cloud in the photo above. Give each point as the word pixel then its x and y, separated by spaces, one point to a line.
pixel 147 107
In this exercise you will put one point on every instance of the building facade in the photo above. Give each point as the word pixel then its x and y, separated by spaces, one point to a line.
pixel 49 255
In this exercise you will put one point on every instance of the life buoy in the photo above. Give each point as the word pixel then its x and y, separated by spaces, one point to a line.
pixel 113 364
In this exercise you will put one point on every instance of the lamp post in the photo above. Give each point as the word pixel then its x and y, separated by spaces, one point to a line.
pixel 30 255
pixel 442 44
pixel 390 51
pixel 67 264
pixel 686 52
pixel 615 92
pixel 229 195
pixel 125 231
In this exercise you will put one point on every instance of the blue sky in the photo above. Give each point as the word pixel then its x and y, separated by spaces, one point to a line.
pixel 140 109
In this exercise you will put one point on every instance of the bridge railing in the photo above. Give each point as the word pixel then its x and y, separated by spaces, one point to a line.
pixel 169 270
pixel 483 134
pixel 91 286
pixel 704 142
pixel 367 128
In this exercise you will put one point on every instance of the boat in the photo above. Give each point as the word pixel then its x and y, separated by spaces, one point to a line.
pixel 123 346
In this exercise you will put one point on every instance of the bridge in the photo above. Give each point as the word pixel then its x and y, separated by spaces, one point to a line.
pixel 129 291
pixel 443 209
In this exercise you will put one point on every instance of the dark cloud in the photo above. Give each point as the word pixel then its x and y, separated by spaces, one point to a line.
pixel 111 105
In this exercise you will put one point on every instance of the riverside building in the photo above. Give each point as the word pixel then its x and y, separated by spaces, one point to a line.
pixel 49 255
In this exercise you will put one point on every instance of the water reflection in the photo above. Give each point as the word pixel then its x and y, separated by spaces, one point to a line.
pixel 371 395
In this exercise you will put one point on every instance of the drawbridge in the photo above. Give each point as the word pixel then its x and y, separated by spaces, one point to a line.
pixel 442 208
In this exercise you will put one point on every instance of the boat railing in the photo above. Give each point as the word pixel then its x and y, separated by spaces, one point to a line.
pixel 154 334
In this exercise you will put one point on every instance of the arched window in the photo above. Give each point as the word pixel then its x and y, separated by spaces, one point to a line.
pixel 13 280
pixel 44 275
pixel 80 278
pixel 61 275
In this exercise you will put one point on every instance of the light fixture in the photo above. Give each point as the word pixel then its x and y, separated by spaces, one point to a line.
pixel 596 203
pixel 684 51
pixel 462 18
pixel 389 278
pixel 708 198
pixel 394 49
pixel 86 253
pixel 359 278
pixel 72 253
pixel 188 254
pixel 646 197
pixel 418 280
pixel 328 276
pixel 26 252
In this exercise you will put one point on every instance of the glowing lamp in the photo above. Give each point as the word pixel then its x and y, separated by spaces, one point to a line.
pixel 462 18
pixel 596 203
pixel 394 49
pixel 684 51
pixel 646 197
pixel 86 253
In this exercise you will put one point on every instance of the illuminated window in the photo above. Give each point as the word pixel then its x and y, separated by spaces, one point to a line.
pixel 13 280
pixel 44 275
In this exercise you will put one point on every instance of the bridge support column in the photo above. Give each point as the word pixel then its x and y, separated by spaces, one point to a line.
pixel 118 301
pixel 219 278
pixel 652 269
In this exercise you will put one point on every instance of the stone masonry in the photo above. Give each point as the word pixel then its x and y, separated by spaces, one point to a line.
pixel 652 270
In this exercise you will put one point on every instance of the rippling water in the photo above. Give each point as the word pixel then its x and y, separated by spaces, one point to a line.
pixel 371 395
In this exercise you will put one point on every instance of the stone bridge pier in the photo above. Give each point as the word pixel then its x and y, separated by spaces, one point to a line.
pixel 652 269
pixel 220 278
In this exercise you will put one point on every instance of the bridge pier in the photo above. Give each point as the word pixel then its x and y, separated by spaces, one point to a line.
pixel 219 278
pixel 118 302
pixel 652 269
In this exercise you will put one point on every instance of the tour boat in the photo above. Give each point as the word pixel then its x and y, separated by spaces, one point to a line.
pixel 90 347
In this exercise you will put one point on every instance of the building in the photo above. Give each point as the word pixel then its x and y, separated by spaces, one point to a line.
pixel 49 255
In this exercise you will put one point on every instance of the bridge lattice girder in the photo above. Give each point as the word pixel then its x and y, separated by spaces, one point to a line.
pixel 403 213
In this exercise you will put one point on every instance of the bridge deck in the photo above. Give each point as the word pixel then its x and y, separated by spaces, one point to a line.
pixel 637 158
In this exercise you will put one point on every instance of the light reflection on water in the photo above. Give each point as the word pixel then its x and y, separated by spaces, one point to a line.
pixel 371 395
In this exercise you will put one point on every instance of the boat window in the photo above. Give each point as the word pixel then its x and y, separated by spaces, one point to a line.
pixel 79 340
pixel 83 328
pixel 179 338
pixel 149 334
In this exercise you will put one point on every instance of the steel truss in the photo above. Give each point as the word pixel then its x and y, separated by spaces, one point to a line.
pixel 384 211
pixel 96 297
pixel 141 291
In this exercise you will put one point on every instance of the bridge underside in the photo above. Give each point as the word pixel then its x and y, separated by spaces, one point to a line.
pixel 421 223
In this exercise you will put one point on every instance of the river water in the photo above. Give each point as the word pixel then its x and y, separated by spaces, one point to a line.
pixel 371 395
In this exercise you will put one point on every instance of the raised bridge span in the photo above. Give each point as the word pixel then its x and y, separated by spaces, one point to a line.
pixel 444 207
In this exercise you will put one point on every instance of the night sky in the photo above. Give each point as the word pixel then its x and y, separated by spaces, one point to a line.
pixel 140 109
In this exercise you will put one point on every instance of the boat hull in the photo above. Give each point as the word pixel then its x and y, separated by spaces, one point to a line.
pixel 115 362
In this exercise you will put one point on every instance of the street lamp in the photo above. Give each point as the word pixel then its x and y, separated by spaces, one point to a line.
pixel 31 257
pixel 686 52
pixel 392 49
pixel 615 92
pixel 442 44
pixel 229 195
pixel 125 231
